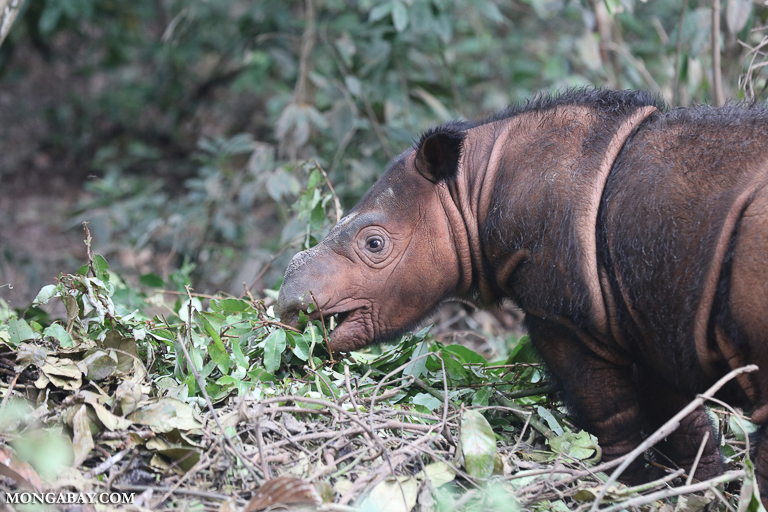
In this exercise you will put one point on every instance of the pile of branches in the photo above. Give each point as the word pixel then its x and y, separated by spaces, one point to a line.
pixel 179 400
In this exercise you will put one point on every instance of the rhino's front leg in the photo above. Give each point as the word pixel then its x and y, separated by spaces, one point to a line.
pixel 601 394
pixel 660 402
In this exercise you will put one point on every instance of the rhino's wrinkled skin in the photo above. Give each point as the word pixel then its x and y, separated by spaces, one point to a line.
pixel 634 238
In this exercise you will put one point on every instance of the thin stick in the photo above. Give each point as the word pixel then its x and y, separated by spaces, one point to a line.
pixel 269 264
pixel 192 294
pixel 260 442
pixel 698 458
pixel 722 498
pixel 348 385
pixel 108 463
pixel 88 251
pixel 9 392
pixel 717 79
pixel 675 491
pixel 279 324
pixel 676 87
pixel 666 429
pixel 336 202
pixel 522 393
pixel 322 321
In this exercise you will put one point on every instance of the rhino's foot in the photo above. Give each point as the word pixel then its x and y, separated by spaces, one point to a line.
pixel 682 446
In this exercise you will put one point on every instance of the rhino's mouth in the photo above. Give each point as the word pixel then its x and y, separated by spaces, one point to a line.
pixel 354 329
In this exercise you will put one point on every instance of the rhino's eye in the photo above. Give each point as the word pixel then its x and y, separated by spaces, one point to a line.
pixel 374 244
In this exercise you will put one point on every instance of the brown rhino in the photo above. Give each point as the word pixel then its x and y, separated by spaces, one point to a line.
pixel 634 238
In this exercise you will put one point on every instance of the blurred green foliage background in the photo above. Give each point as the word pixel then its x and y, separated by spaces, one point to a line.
pixel 185 131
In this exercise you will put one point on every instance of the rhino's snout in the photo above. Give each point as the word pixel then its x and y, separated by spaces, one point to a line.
pixel 292 295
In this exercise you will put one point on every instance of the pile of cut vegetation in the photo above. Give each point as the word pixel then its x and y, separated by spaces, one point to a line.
pixel 155 397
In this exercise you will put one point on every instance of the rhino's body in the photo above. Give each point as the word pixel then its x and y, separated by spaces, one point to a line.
pixel 634 239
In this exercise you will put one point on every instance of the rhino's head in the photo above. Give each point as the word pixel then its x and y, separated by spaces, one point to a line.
pixel 394 258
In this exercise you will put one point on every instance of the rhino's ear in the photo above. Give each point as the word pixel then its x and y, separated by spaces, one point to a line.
pixel 438 153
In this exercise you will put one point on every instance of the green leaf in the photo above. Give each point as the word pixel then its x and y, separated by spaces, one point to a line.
pixel 260 375
pixel 220 357
pixel 454 369
pixel 237 351
pixel 102 267
pixel 152 281
pixel 61 335
pixel 399 15
pixel 273 349
pixel 478 445
pixel 575 445
pixel 551 420
pixel 44 295
pixel 439 473
pixel 233 305
pixel 210 330
pixel 482 396
pixel 428 401
pixel 388 495
pixel 300 346
pixel 749 499
pixel 464 354
pixel 19 331
pixel 380 11
pixel 523 352
pixel 417 368
pixel 318 217
pixel 738 431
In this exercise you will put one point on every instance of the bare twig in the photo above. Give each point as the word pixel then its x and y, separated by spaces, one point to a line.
pixel 636 62
pixel 322 321
pixel 270 262
pixel 264 321
pixel 377 127
pixel 183 492
pixel 260 441
pixel 722 499
pixel 336 202
pixel 108 463
pixel 698 458
pixel 717 72
pixel 730 476
pixel 522 393
pixel 9 393
pixel 193 294
pixel 88 251
pixel 676 86
pixel 301 92
pixel 746 81
pixel 348 385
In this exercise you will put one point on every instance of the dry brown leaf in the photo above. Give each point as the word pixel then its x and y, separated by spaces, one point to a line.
pixel 29 355
pixel 127 350
pixel 166 414
pixel 19 470
pixel 82 439
pixel 286 491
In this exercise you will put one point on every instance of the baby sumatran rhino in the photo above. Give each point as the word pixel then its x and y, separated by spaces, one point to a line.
pixel 634 238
